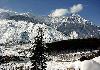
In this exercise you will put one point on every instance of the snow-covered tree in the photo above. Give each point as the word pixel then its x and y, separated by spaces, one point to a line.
pixel 38 58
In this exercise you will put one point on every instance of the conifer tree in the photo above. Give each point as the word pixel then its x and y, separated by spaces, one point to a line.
pixel 38 58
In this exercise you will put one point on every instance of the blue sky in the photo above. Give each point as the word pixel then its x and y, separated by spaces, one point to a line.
pixel 90 8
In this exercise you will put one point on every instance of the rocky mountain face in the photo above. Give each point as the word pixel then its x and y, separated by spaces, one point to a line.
pixel 74 26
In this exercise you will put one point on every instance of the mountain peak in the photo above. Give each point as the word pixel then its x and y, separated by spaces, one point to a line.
pixel 75 15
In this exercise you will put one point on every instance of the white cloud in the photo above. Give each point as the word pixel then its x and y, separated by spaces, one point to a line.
pixel 76 8
pixel 59 12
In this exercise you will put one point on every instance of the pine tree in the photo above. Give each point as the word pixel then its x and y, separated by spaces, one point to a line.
pixel 38 58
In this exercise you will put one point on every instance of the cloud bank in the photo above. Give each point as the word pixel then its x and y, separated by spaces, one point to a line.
pixel 61 12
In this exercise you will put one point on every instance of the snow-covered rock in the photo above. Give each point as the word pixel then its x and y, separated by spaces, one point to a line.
pixel 93 64
pixel 97 59
pixel 90 65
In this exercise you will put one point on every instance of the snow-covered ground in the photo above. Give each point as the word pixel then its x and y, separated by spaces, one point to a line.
pixel 57 62
pixel 93 64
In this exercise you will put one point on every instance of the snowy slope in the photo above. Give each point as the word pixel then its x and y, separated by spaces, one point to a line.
pixel 11 30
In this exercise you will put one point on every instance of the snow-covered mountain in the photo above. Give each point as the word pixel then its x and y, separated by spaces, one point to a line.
pixel 11 30
pixel 73 26
pixel 12 24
